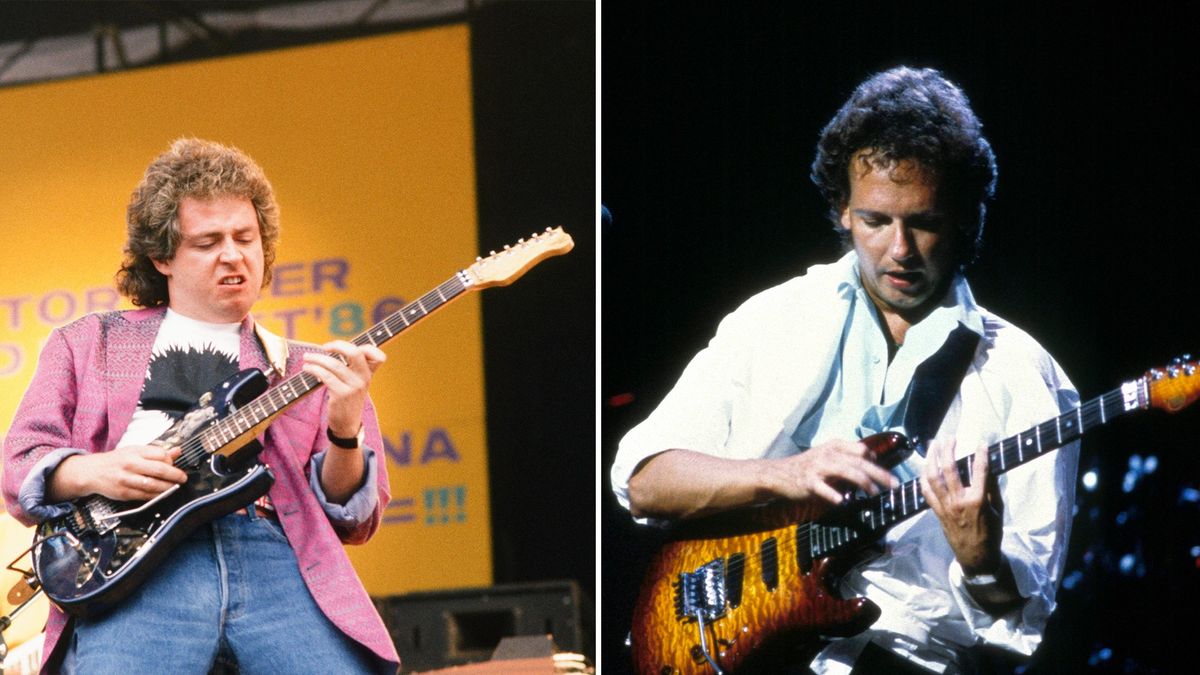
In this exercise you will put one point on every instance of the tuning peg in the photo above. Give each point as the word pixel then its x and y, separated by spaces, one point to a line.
pixel 1186 357
pixel 478 258
pixel 1177 360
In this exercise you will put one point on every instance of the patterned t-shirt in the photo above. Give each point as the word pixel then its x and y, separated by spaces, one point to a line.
pixel 189 358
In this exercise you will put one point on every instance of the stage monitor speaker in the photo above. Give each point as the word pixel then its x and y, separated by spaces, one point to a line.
pixel 436 629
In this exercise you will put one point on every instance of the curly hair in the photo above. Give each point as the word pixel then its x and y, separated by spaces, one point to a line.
pixel 911 114
pixel 190 168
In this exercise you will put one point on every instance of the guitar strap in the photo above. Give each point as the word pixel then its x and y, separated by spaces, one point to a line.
pixel 275 347
pixel 935 383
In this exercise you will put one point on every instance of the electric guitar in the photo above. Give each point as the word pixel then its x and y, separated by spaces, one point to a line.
pixel 102 549
pixel 728 587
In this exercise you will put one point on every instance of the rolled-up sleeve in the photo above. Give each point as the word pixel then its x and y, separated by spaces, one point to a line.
pixel 694 415
pixel 360 507
pixel 40 435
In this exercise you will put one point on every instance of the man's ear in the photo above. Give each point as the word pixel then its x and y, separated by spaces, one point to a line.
pixel 844 217
pixel 163 266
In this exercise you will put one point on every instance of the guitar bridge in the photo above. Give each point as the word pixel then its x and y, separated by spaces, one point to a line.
pixel 700 595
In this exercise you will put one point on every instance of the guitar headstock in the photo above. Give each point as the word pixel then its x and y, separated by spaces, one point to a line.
pixel 501 268
pixel 1175 387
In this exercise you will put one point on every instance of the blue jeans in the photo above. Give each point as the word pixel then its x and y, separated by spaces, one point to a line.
pixel 232 588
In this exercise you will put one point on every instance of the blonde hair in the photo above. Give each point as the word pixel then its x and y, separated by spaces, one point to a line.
pixel 190 168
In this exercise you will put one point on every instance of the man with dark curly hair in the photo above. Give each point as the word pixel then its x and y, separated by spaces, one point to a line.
pixel 269 587
pixel 776 405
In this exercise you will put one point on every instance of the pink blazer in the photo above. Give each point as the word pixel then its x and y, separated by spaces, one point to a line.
pixel 84 393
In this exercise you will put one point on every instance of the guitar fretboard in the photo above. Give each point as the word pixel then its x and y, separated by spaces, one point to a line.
pixel 860 520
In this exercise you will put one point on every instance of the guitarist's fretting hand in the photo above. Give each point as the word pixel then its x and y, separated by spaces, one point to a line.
pixel 972 519
pixel 685 484
pixel 971 514
pixel 347 384
pixel 130 473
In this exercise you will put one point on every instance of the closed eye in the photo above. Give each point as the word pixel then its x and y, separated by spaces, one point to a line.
pixel 872 218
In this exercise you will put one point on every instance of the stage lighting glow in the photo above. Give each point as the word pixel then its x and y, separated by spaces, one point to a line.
pixel 1150 464
pixel 1090 480
pixel 1129 482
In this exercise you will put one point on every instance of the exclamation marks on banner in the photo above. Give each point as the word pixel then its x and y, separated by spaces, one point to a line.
pixel 445 505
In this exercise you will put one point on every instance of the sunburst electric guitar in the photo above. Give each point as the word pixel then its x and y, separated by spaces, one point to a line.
pixel 90 558
pixel 730 588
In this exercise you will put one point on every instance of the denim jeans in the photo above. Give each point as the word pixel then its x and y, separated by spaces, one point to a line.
pixel 233 589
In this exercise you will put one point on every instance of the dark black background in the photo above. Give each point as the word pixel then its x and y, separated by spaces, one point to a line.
pixel 710 113
pixel 534 79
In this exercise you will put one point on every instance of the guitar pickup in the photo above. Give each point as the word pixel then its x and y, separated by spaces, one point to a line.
pixel 701 594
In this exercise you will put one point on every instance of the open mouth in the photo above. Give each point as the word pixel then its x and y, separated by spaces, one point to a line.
pixel 232 281
pixel 904 279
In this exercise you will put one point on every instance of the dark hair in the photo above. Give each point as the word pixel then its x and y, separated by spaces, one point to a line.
pixel 190 168
pixel 906 113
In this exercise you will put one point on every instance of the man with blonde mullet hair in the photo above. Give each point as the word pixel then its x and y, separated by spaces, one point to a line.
pixel 197 169
pixel 269 587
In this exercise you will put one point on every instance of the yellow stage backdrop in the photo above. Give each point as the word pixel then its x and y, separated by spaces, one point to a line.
pixel 369 145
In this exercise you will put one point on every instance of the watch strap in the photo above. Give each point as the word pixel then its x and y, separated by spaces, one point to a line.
pixel 345 443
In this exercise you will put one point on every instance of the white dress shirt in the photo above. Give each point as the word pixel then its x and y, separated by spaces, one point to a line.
pixel 806 362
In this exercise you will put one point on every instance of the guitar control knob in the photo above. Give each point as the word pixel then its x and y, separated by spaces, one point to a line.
pixel 1172 372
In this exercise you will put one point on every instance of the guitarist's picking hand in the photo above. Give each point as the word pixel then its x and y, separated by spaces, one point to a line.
pixel 130 473
pixel 682 483
pixel 971 515
pixel 827 470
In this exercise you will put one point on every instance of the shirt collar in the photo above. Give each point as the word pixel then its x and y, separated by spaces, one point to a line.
pixel 958 305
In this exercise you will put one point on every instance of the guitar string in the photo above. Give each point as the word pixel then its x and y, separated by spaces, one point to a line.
pixel 1090 412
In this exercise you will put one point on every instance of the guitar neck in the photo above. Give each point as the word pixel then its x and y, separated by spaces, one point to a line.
pixel 861 520
pixel 277 398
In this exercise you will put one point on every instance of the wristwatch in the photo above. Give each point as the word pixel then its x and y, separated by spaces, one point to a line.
pixel 346 443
